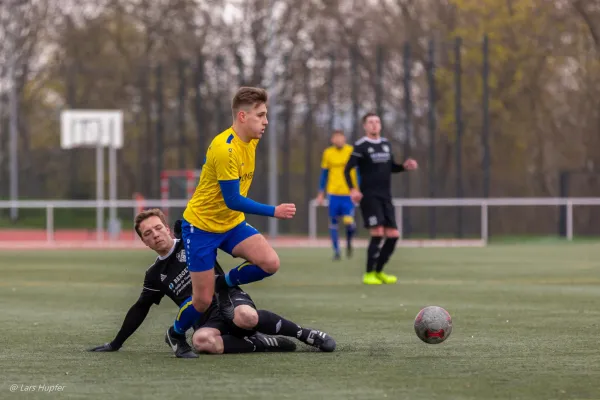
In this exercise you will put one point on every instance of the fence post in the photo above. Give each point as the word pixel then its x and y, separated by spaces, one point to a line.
pixel 484 221
pixel 563 192
pixel 100 193
pixel 399 217
pixel 312 219
pixel 569 219
pixel 50 223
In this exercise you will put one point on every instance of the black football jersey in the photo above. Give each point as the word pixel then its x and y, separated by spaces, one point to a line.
pixel 169 276
pixel 374 160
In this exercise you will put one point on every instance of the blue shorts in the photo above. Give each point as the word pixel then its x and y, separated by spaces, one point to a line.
pixel 201 246
pixel 340 206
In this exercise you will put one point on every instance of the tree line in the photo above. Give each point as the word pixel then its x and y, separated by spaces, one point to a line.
pixel 172 66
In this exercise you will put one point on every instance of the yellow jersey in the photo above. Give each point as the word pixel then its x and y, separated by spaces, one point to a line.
pixel 227 158
pixel 335 160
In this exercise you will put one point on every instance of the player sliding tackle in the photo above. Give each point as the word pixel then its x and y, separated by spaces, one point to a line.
pixel 168 276
pixel 214 217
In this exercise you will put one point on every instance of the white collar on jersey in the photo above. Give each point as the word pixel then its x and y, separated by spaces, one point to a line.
pixel 170 251
pixel 374 141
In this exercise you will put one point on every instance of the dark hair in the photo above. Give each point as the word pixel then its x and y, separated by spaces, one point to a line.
pixel 367 115
pixel 248 97
pixel 144 215
pixel 337 132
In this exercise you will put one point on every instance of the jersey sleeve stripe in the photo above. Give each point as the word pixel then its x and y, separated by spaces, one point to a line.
pixel 229 139
pixel 356 154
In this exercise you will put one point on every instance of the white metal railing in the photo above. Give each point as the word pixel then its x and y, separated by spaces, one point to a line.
pixel 482 203
pixel 100 206
pixel 134 205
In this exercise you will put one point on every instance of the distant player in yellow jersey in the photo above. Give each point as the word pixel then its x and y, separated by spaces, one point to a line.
pixel 333 183
pixel 214 217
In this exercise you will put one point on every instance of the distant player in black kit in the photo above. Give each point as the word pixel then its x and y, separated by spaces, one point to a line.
pixel 373 156
pixel 250 330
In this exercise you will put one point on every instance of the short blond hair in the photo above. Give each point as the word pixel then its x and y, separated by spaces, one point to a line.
pixel 144 215
pixel 248 97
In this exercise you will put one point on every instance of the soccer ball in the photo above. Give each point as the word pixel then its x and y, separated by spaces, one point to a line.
pixel 433 325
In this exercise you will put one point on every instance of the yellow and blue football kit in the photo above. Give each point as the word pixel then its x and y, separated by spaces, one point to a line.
pixel 228 159
pixel 333 182
pixel 214 217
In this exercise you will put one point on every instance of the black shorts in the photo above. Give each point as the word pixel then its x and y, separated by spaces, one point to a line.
pixel 378 211
pixel 213 319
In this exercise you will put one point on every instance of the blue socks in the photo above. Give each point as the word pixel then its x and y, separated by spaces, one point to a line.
pixel 186 317
pixel 333 232
pixel 240 275
pixel 245 273
pixel 350 229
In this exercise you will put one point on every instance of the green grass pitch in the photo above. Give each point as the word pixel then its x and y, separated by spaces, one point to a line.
pixel 526 326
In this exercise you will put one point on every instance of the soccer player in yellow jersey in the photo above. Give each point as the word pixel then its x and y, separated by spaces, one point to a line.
pixel 334 183
pixel 214 217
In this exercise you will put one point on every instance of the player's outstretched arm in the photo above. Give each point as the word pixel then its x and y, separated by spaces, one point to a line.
pixel 235 201
pixel 397 168
pixel 408 165
pixel 134 318
pixel 226 162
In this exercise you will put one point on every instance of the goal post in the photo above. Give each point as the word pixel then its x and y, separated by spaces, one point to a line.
pixel 177 184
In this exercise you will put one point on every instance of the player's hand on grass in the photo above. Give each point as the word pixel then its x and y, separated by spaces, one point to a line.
pixel 355 195
pixel 410 164
pixel 285 211
pixel 104 347
pixel 320 198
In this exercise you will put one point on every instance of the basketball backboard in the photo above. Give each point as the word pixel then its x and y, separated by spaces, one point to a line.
pixel 99 129
pixel 91 128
